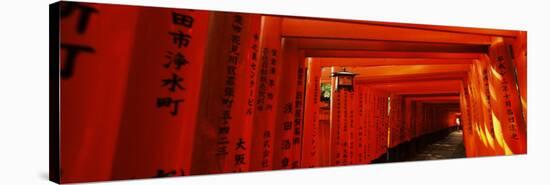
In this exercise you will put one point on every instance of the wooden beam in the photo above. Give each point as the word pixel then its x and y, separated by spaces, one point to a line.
pixel 441 102
pixel 415 77
pixel 451 29
pixel 387 54
pixel 427 92
pixel 444 28
pixel 434 98
pixel 420 87
pixel 382 71
pixel 296 27
pixel 358 62
pixel 373 45
pixel 429 95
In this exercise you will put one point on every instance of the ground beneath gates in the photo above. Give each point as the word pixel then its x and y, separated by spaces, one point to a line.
pixel 448 148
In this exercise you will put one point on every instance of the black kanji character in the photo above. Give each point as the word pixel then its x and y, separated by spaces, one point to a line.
pixel 237 28
pixel 515 136
pixel 227 115
pixel 240 144
pixel 508 103
pixel 72 53
pixel 68 8
pixel 231 70
pixel 284 162
pixel 229 91
pixel 238 19
pixel 223 130
pixel 287 125
pixel 285 145
pixel 287 108
pixel 174 83
pixel 182 19
pixel 177 58
pixel 500 58
pixel 254 56
pixel 180 38
pixel 167 101
pixel 239 159
pixel 236 42
pixel 227 102
pixel 233 58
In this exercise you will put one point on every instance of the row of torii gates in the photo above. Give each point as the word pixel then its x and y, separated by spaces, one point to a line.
pixel 253 86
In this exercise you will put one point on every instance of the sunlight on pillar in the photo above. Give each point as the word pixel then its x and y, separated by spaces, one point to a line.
pixel 490 139
pixel 496 74
pixel 523 103
pixel 389 105
pixel 481 135
pixel 499 135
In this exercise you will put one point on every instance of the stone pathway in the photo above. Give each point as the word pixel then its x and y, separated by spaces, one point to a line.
pixel 450 147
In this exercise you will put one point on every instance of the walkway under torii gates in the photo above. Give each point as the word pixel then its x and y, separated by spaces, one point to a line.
pixel 258 93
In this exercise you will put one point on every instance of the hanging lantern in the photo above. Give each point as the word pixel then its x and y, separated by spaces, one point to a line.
pixel 344 80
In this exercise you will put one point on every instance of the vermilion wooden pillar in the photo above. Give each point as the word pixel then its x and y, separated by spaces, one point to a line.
pixel 466 122
pixel 407 119
pixel 360 126
pixel 519 49
pixel 485 76
pixel 384 123
pixel 266 101
pixel 371 124
pixel 365 124
pixel 479 115
pixel 400 115
pixel 288 141
pixel 343 125
pixel 92 88
pixel 335 122
pixel 224 127
pixel 378 124
pixel 507 100
pixel 299 101
pixel 375 123
pixel 395 124
pixel 310 144
pixel 348 128
pixel 418 119
pixel 157 126
pixel 478 140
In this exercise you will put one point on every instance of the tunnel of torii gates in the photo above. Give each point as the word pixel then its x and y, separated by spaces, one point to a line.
pixel 261 96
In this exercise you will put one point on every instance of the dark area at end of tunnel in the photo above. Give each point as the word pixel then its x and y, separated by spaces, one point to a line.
pixel 444 144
